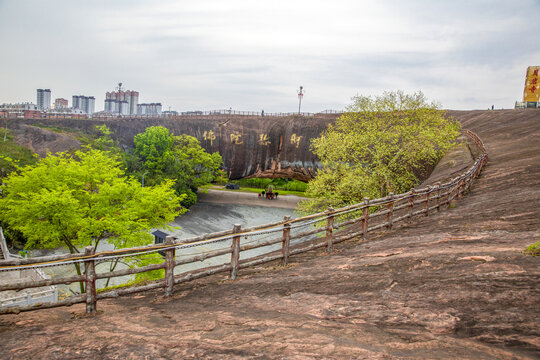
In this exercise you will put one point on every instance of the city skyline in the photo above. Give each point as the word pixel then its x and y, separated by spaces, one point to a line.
pixel 250 56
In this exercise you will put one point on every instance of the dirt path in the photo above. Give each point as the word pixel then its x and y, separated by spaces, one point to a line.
pixel 451 286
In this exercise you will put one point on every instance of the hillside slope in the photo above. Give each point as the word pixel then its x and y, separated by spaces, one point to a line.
pixel 43 141
pixel 450 286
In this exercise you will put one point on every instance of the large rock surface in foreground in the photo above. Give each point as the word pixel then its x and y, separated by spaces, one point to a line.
pixel 453 285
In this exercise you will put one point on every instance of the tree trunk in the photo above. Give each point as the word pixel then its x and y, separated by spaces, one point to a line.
pixel 73 250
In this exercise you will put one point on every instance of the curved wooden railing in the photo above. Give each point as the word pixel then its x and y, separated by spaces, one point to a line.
pixel 281 239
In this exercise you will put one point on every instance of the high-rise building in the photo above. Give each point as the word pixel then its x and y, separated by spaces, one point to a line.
pixel 122 102
pixel 110 106
pixel 44 99
pixel 149 109
pixel 85 103
pixel 76 101
pixel 60 103
pixel 90 105
pixel 132 97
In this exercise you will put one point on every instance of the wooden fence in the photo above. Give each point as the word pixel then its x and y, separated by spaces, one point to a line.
pixel 308 234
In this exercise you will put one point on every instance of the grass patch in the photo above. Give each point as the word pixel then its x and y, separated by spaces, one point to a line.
pixel 134 282
pixel 84 138
pixel 533 249
pixel 58 129
pixel 16 152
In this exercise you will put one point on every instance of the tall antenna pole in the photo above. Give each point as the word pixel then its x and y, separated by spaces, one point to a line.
pixel 300 96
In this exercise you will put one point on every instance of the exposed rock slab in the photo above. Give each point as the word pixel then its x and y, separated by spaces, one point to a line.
pixel 454 285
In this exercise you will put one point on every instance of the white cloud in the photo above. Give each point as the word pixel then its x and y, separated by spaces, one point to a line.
pixel 253 55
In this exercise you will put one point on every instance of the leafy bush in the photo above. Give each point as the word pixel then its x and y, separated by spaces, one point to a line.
pixel 278 184
pixel 379 145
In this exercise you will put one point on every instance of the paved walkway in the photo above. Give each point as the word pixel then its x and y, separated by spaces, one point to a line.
pixel 248 198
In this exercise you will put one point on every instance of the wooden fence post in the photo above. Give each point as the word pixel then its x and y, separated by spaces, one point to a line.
pixel 449 193
pixel 235 255
pixel 365 219
pixel 286 240
pixel 475 172
pixel 426 205
pixel 478 169
pixel 438 196
pixel 411 204
pixel 90 272
pixel 471 180
pixel 390 215
pixel 329 230
pixel 170 255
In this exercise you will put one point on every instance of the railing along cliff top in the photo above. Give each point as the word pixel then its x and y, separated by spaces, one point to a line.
pixel 290 236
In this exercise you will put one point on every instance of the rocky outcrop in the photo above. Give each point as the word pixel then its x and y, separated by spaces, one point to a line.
pixel 43 141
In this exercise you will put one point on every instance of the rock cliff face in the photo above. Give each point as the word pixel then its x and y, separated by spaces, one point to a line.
pixel 250 146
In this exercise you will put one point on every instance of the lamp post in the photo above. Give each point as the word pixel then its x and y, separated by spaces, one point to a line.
pixel 142 184
pixel 300 96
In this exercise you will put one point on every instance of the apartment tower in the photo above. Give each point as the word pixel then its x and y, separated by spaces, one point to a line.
pixel 44 99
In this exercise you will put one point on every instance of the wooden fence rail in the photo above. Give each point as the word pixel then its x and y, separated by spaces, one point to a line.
pixel 377 214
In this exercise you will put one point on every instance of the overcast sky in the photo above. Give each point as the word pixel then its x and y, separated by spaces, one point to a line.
pixel 254 55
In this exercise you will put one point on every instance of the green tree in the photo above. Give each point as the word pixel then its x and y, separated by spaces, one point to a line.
pixel 81 199
pixel 381 144
pixel 104 139
pixel 154 148
pixel 159 156
pixel 193 167
pixel 13 157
